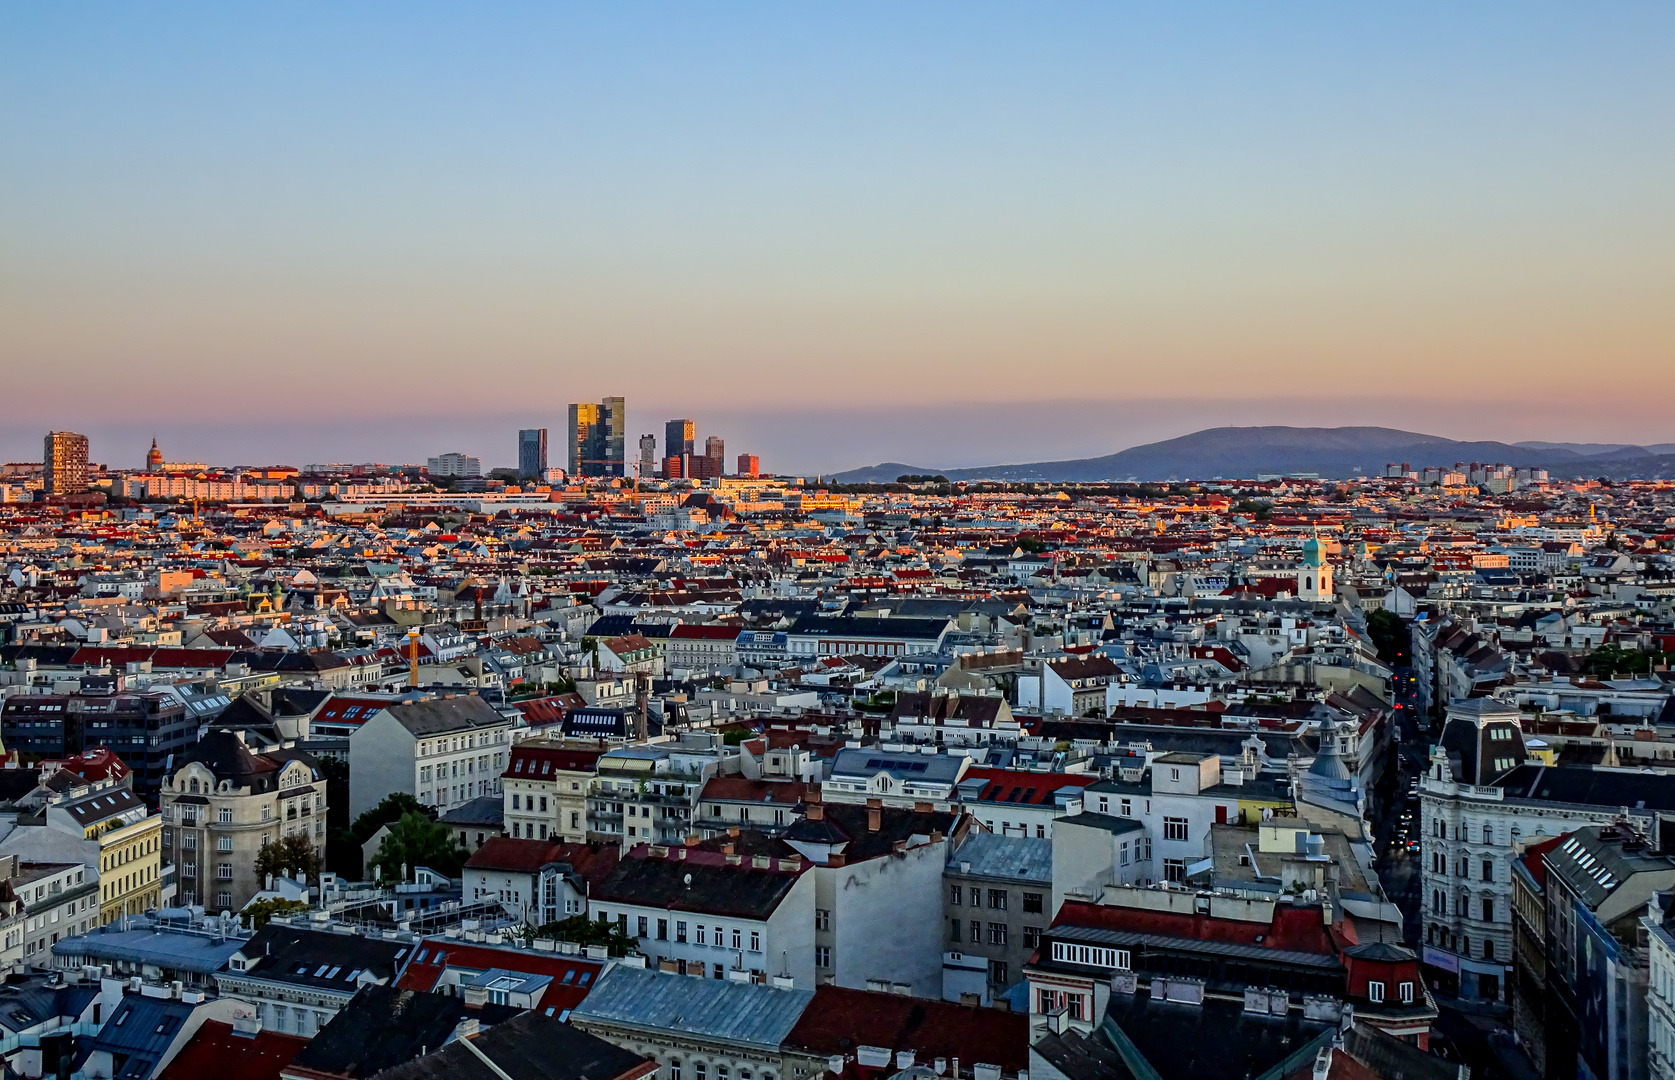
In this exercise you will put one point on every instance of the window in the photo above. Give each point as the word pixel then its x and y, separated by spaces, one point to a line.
pixel 997 899
pixel 645 928
pixel 822 919
pixel 1488 949
pixel 674 1069
pixel 976 926
pixel 224 815
pixel 1174 828
pixel 1405 991
pixel 1375 991
pixel 997 933
pixel 1032 903
pixel 699 932
pixel 223 843
pixel 224 872
pixel 954 895
pixel 998 972
pixel 1174 870
pixel 1091 956
pixel 1127 808
pixel 1488 833
pixel 822 956
pixel 697 1070
pixel 1488 870
pixel 1488 909
pixel 736 938
pixel 755 941
pixel 224 900
pixel 953 930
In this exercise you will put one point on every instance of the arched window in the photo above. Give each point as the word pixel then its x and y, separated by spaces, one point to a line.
pixel 1488 833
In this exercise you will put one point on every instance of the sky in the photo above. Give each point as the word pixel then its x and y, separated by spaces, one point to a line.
pixel 940 233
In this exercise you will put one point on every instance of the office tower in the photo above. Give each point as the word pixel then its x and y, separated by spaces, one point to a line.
pixel 454 464
pixel 64 457
pixel 750 466
pixel 532 452
pixel 674 468
pixel 680 437
pixel 716 450
pixel 598 439
pixel 582 437
pixel 648 455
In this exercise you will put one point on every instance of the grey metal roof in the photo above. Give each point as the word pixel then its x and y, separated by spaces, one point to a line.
pixel 748 1013
pixel 1018 858
pixel 199 953
pixel 941 768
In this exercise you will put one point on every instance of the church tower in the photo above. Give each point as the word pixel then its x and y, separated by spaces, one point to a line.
pixel 1314 580
pixel 153 457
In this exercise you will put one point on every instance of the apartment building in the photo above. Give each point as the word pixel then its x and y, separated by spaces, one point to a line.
pixel 224 804
pixel 444 751
pixel 996 892
pixel 545 788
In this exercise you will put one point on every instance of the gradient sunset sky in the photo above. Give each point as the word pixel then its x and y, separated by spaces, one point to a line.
pixel 943 233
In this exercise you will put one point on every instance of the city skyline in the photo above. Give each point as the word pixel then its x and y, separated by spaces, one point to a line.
pixel 1206 205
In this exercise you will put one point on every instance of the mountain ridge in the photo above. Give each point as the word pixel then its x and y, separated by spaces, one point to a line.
pixel 1245 452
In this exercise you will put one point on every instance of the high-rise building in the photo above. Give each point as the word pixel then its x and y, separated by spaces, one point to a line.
pixel 680 437
pixel 532 452
pixel 716 450
pixel 597 438
pixel 64 461
pixel 582 437
pixel 455 464
pixel 613 423
pixel 750 466
pixel 648 455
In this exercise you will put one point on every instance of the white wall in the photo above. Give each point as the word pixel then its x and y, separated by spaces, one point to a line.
pixel 887 919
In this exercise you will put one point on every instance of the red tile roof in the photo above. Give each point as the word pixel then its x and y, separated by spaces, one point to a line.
pixel 445 954
pixel 1295 929
pixel 538 762
pixel 510 854
pixel 840 1019
pixel 1024 788
pixel 211 1052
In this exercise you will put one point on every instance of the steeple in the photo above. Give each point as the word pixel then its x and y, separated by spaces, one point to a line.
pixel 153 457
pixel 1328 763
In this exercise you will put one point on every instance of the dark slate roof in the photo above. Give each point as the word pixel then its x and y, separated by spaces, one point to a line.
pixel 438 716
pixel 1216 1040
pixel 529 1047
pixel 27 1003
pixel 742 892
pixel 138 1032
pixel 383 1027
pixel 103 804
pixel 485 811
pixel 893 628
pixel 841 822
pixel 1592 787
pixel 319 958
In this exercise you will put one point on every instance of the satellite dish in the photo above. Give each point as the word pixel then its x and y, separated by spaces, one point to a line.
pixel 689 881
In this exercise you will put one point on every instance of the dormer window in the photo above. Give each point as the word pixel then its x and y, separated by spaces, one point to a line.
pixel 1405 992
pixel 1375 991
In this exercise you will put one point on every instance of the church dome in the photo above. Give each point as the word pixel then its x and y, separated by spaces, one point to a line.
pixel 1312 552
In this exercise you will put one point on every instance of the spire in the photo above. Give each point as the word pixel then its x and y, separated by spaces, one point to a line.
pixel 1328 763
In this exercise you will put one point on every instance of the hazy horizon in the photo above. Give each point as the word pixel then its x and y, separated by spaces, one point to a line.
pixel 811 441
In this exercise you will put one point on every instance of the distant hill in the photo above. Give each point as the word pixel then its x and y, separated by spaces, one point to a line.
pixel 1602 449
pixel 1245 452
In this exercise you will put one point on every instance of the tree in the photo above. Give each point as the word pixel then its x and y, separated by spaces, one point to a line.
pixel 343 846
pixel 416 841
pixel 288 856
pixel 260 911
pixel 585 931
pixel 1390 637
